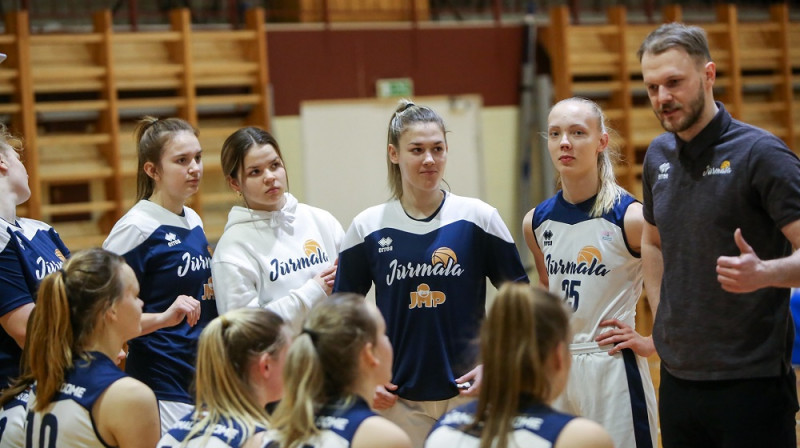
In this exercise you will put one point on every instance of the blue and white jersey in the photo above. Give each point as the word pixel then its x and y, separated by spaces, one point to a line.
pixel 337 423
pixel 226 434
pixel 589 262
pixel 12 420
pixel 430 284
pixel 67 420
pixel 536 426
pixel 29 250
pixel 170 255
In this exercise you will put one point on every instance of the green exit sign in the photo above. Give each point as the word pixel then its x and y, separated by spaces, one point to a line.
pixel 395 87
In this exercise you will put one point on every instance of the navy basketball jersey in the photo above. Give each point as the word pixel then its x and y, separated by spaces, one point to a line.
pixel 67 420
pixel 589 262
pixel 430 285
pixel 536 426
pixel 29 250
pixel 226 434
pixel 337 423
pixel 12 420
pixel 170 255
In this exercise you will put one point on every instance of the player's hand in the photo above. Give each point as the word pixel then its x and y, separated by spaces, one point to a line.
pixel 326 278
pixel 623 336
pixel 471 381
pixel 742 273
pixel 383 398
pixel 183 307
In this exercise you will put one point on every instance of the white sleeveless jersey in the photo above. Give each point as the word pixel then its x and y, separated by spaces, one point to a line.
pixel 226 434
pixel 337 424
pixel 535 426
pixel 589 262
pixel 12 421
pixel 67 421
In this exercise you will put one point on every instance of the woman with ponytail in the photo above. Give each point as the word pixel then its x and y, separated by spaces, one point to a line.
pixel 163 241
pixel 586 243
pixel 331 372
pixel 526 361
pixel 429 254
pixel 270 231
pixel 240 359
pixel 84 314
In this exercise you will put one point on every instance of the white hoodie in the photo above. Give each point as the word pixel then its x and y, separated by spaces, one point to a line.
pixel 269 259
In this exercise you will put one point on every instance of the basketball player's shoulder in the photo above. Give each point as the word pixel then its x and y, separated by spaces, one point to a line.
pixel 131 395
pixel 375 212
pixel 473 206
pixel 377 217
pixel 544 210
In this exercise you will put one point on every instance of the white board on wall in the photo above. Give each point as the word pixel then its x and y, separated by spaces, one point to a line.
pixel 344 150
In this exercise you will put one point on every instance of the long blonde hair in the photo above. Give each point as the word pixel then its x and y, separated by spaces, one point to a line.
pixel 226 348
pixel 610 192
pixel 322 364
pixel 69 304
pixel 524 326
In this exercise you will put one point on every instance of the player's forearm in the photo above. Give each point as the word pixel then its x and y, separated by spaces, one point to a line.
pixel 151 322
pixel 653 270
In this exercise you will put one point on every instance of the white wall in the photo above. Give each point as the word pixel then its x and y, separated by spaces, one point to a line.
pixel 499 130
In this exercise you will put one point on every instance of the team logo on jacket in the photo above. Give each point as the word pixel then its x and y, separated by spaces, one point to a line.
pixel 589 261
pixel 724 168
pixel 424 297
pixel 444 263
pixel 311 247
pixel 314 255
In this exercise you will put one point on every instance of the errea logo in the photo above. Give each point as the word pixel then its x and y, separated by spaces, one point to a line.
pixel 386 245
pixel 663 171
pixel 548 237
pixel 172 239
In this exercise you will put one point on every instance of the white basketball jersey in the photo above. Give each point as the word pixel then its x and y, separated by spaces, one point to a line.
pixel 67 421
pixel 12 421
pixel 589 262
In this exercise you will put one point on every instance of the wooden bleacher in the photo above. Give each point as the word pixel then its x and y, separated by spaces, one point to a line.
pixel 75 98
pixel 757 73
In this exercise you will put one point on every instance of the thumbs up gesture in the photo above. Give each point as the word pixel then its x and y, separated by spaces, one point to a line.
pixel 742 273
